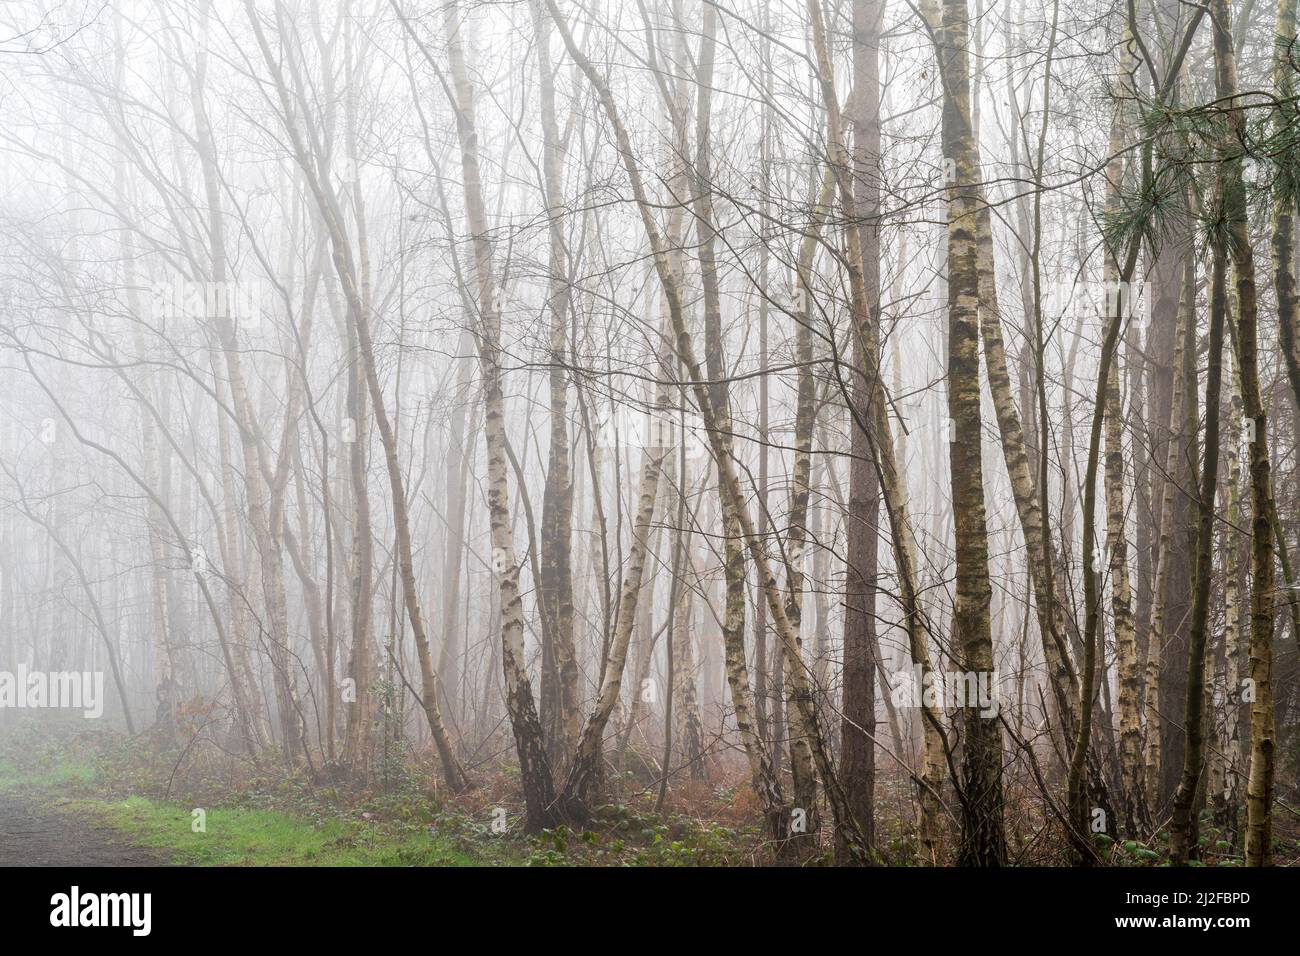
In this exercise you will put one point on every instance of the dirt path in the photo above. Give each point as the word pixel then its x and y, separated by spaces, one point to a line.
pixel 35 835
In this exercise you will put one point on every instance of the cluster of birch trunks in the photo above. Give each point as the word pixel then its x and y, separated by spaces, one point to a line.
pixel 649 396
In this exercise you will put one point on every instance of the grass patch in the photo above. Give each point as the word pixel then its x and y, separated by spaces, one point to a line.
pixel 248 837
pixel 48 775
pixel 107 783
pixel 261 817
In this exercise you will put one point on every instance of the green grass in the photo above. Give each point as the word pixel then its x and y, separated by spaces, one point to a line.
pixel 244 837
pixel 60 774
pixel 272 822
pixel 239 836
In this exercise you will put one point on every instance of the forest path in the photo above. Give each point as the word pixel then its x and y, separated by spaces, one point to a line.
pixel 35 835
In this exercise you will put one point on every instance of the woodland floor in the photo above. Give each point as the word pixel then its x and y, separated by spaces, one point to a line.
pixel 33 834
pixel 74 798
pixel 71 797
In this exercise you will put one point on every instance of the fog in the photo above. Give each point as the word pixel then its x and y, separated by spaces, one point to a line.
pixel 870 424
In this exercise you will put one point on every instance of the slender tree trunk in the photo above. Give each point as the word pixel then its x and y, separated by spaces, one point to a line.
pixel 1228 802
pixel 1184 830
pixel 730 483
pixel 361 665
pixel 358 310
pixel 983 841
pixel 583 781
pixel 534 766
pixel 556 585
pixel 460 446
pixel 271 559
pixel 1259 788
pixel 877 429
pixel 1286 194
pixel 862 520
pixel 1165 549
pixel 763 777
pixel 1130 677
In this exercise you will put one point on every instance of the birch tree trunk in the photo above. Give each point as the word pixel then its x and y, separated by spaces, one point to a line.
pixel 1184 829
pixel 983 841
pixel 1164 558
pixel 271 559
pixel 1130 678
pixel 763 777
pixel 1259 788
pixel 686 353
pixel 534 765
pixel 556 585
pixel 583 782
pixel 877 429
pixel 361 664
pixel 1228 801
pixel 312 160
pixel 862 520
pixel 1286 195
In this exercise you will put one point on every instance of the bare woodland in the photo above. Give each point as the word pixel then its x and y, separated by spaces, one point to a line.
pixel 878 418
